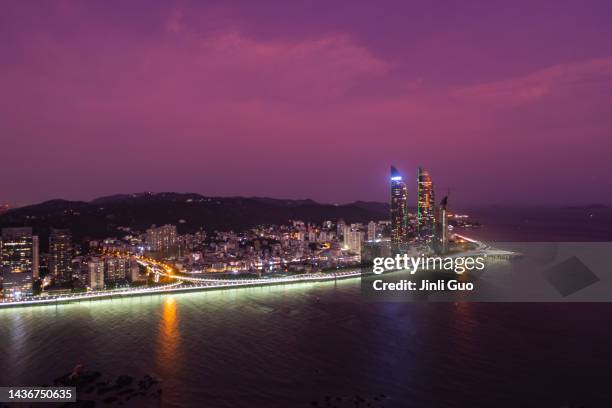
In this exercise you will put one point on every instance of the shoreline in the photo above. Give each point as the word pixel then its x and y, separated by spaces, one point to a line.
pixel 203 285
pixel 178 288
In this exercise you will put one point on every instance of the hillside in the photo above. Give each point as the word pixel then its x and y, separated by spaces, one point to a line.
pixel 101 217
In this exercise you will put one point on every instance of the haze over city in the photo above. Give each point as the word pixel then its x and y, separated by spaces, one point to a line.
pixel 504 104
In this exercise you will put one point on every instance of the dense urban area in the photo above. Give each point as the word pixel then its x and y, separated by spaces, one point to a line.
pixel 294 248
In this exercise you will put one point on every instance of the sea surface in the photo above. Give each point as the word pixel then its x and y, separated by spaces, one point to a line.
pixel 321 344
pixel 540 224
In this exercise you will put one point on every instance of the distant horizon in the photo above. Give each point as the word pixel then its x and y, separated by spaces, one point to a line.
pixel 461 206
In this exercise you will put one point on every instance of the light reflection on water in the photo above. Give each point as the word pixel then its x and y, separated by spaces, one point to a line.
pixel 168 339
pixel 291 345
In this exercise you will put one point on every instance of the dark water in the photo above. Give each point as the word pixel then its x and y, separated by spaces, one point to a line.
pixel 321 345
pixel 542 224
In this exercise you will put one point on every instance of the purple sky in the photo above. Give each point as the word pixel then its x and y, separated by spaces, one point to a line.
pixel 504 102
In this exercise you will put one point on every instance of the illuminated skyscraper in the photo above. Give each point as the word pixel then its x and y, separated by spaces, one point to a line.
pixel 18 261
pixel 399 208
pixel 426 206
pixel 60 254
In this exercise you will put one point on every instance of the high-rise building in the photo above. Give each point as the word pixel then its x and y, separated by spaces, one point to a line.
pixel 80 268
pixel 340 228
pixel 35 257
pixel 441 238
pixel 134 271
pixel 161 238
pixel 371 231
pixel 399 208
pixel 345 235
pixel 95 278
pixel 426 206
pixel 115 269
pixel 60 254
pixel 18 261
pixel 353 240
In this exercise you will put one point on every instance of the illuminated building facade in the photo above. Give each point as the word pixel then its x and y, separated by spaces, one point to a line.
pixel 115 269
pixel 371 231
pixel 60 254
pixel 353 240
pixel 340 228
pixel 35 257
pixel 95 277
pixel 162 238
pixel 18 261
pixel 425 206
pixel 399 208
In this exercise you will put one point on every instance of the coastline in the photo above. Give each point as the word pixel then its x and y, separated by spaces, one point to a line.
pixel 178 288
pixel 197 285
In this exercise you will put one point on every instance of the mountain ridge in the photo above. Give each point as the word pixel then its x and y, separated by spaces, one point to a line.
pixel 102 217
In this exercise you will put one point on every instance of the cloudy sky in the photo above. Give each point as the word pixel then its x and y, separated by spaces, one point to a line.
pixel 504 102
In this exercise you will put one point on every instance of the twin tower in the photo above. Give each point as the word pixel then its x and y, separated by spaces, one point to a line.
pixel 426 228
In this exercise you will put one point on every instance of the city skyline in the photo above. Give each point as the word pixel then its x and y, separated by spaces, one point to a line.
pixel 280 100
pixel 308 203
pixel 112 262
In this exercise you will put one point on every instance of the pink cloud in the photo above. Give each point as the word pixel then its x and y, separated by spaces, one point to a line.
pixel 175 23
pixel 581 76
